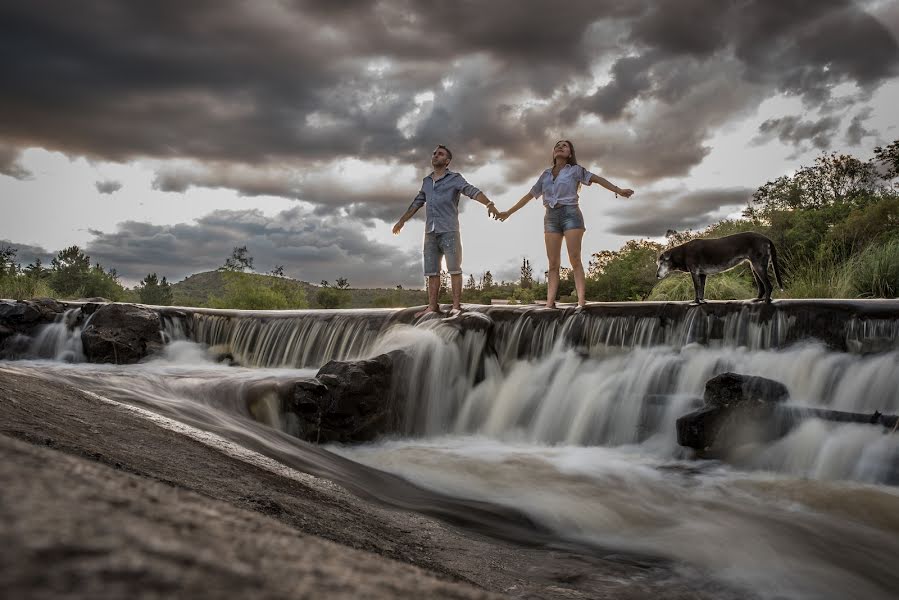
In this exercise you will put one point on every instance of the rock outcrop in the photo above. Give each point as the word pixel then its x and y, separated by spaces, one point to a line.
pixel 120 333
pixel 346 402
pixel 739 409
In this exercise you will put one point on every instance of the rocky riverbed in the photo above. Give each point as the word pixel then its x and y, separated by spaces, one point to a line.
pixel 100 501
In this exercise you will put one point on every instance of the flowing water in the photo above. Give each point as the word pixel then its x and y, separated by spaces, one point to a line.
pixel 562 431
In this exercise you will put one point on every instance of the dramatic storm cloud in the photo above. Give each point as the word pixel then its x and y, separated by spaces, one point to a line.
pixel 339 104
pixel 678 211
pixel 310 248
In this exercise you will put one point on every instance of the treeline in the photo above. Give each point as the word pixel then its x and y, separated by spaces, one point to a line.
pixel 71 275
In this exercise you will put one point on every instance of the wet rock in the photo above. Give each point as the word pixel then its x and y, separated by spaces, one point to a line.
pixel 739 409
pixel 347 401
pixel 121 334
pixel 20 319
pixel 729 389
pixel 24 314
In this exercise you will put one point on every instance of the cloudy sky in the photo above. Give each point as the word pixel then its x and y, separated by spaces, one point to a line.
pixel 158 135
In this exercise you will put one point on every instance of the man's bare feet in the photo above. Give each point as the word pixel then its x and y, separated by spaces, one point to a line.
pixel 456 310
pixel 427 311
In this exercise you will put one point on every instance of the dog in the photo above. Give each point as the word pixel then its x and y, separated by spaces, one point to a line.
pixel 704 257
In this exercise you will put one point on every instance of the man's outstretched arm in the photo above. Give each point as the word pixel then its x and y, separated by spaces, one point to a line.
pixel 491 207
pixel 479 196
pixel 413 208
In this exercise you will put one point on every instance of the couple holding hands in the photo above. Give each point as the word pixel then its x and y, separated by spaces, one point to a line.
pixel 559 186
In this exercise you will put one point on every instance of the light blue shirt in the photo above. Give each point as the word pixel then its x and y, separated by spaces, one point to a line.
pixel 442 200
pixel 563 190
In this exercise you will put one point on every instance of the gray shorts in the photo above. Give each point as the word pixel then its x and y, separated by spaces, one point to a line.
pixel 563 217
pixel 439 245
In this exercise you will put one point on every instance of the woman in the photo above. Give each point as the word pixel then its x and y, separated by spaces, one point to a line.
pixel 559 187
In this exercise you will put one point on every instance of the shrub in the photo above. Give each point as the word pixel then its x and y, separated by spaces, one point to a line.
pixel 874 273
pixel 22 287
pixel 244 291
pixel 331 298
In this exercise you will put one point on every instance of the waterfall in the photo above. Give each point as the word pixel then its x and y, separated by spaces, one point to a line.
pixel 296 339
pixel 60 340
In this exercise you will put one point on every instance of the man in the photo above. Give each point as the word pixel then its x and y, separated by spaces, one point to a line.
pixel 440 191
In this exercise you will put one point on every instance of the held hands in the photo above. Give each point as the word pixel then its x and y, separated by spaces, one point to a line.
pixel 502 216
pixel 398 227
pixel 626 193
pixel 491 210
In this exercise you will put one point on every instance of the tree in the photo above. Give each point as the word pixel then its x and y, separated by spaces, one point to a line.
pixel 471 285
pixel 277 271
pixel 444 284
pixel 324 283
pixel 342 283
pixel 833 179
pixel 625 274
pixel 37 270
pixel 527 275
pixel 71 270
pixel 239 261
pixel 889 158
pixel 152 291
pixel 487 281
pixel 8 265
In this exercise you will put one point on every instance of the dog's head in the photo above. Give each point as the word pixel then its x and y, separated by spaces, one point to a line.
pixel 664 262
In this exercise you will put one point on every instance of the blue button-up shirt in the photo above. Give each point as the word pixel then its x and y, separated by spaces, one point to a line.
pixel 442 200
pixel 564 188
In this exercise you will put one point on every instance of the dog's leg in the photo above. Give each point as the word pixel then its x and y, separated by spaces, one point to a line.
pixel 761 269
pixel 758 283
pixel 698 285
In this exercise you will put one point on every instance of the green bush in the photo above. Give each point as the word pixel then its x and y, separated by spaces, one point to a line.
pixel 874 273
pixel 328 297
pixel 22 287
pixel 246 292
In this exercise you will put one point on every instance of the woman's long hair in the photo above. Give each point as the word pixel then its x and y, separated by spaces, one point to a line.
pixel 572 160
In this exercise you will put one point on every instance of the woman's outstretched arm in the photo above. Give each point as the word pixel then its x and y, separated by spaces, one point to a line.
pixel 508 213
pixel 627 193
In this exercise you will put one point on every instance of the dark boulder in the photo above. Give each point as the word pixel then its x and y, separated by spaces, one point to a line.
pixel 739 409
pixel 22 315
pixel 121 334
pixel 729 389
pixel 347 401
pixel 20 320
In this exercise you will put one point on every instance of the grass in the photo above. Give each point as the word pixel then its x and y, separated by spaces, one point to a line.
pixel 731 285
pixel 875 271
pixel 23 288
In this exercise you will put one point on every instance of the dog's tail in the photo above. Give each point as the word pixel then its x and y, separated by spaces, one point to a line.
pixel 776 266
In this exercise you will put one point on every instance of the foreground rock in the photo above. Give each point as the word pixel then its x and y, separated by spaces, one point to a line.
pixel 742 409
pixel 120 333
pixel 738 410
pixel 346 402
pixel 23 316
pixel 103 503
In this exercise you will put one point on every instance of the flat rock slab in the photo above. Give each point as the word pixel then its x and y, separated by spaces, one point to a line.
pixel 112 505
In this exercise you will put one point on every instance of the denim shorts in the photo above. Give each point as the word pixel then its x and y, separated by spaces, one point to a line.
pixel 563 217
pixel 439 245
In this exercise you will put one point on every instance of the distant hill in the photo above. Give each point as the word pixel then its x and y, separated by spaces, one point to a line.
pixel 197 289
